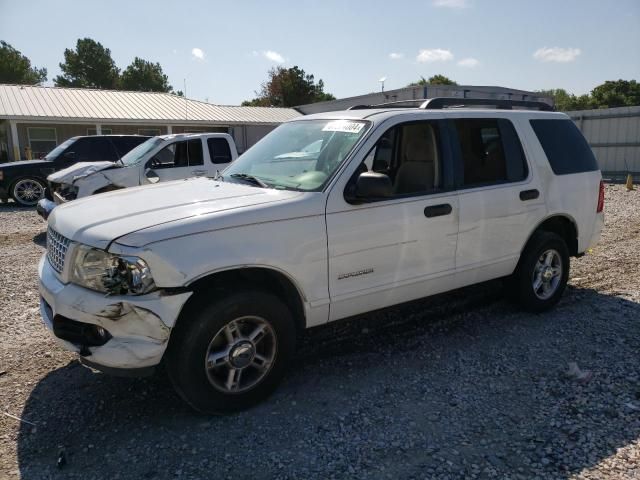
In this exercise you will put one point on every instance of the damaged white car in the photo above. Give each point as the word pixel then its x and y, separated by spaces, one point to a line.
pixel 329 216
pixel 162 158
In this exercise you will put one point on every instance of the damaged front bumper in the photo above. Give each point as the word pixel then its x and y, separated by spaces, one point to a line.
pixel 45 207
pixel 117 334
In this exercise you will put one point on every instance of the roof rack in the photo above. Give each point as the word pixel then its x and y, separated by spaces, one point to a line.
pixel 440 103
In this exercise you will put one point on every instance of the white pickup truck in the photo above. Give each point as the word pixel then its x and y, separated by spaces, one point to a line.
pixel 162 158
pixel 329 216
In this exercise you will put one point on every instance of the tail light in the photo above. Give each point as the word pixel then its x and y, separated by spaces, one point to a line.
pixel 600 198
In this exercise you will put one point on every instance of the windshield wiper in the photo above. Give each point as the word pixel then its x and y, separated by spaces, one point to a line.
pixel 250 178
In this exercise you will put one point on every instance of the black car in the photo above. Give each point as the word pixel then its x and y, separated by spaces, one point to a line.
pixel 26 181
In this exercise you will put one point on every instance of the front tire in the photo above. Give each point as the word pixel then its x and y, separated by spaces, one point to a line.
pixel 27 192
pixel 542 273
pixel 228 354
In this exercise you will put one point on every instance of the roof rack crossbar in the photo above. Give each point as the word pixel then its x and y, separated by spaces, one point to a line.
pixel 439 103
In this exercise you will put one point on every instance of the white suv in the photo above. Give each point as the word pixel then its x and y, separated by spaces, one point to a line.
pixel 218 277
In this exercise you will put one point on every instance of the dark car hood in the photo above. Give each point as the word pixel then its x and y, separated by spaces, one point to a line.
pixel 26 163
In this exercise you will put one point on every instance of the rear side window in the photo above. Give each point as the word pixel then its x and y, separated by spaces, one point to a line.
pixel 565 147
pixel 219 150
pixel 491 152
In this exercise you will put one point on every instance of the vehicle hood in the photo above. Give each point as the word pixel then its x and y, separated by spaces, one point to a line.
pixel 162 210
pixel 79 170
pixel 25 163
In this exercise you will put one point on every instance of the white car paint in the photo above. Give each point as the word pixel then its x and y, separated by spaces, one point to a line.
pixel 89 177
pixel 344 259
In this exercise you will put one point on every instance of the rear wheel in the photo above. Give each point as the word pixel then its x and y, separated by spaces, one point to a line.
pixel 28 191
pixel 542 273
pixel 228 354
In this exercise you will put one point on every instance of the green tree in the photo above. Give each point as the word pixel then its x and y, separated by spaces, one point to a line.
pixel 434 80
pixel 616 93
pixel 565 101
pixel 288 87
pixel 16 68
pixel 144 76
pixel 90 65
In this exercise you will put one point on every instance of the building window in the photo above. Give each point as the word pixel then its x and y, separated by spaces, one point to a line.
pixel 41 140
pixel 105 131
pixel 151 132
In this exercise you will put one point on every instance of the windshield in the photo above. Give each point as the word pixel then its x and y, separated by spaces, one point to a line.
pixel 137 154
pixel 300 155
pixel 55 153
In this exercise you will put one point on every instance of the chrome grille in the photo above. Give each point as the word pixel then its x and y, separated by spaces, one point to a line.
pixel 57 246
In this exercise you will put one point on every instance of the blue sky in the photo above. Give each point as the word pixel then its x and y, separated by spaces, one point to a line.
pixel 224 49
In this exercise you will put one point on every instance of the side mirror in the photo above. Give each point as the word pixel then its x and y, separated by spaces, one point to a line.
pixel 152 176
pixel 370 186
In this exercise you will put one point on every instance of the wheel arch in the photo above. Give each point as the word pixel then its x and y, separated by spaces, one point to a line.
pixel 561 224
pixel 265 278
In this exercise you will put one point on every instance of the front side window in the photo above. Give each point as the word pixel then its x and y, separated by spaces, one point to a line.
pixel 178 155
pixel 91 150
pixel 301 155
pixel 491 152
pixel 410 155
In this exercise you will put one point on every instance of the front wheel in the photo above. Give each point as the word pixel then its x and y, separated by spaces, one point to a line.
pixel 28 191
pixel 229 354
pixel 542 273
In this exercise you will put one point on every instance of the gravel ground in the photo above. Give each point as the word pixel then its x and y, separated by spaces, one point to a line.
pixel 462 385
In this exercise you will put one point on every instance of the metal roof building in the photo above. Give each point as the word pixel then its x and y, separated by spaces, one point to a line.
pixel 42 117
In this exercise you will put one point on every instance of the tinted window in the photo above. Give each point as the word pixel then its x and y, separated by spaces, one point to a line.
pixel 124 145
pixel 194 152
pixel 491 151
pixel 179 154
pixel 410 155
pixel 91 150
pixel 565 147
pixel 219 150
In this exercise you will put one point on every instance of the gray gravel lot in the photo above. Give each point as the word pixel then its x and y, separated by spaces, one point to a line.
pixel 460 386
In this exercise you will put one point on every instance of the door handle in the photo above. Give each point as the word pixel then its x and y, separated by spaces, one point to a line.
pixel 529 195
pixel 437 210
pixel 198 172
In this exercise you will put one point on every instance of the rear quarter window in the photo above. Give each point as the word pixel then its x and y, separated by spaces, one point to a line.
pixel 566 149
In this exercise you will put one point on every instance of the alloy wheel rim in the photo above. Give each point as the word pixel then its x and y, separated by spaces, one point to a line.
pixel 547 274
pixel 28 191
pixel 241 354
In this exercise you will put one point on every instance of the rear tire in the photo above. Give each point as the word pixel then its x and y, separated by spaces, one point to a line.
pixel 542 273
pixel 230 353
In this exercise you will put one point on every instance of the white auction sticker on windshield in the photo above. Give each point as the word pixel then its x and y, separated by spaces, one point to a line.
pixel 343 126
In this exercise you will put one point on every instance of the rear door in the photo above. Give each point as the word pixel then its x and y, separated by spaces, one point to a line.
pixel 181 159
pixel 500 199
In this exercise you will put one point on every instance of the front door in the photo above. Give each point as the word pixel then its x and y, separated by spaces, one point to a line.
pixel 396 249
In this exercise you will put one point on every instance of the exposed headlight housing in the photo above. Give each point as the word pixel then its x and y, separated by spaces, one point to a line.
pixel 112 274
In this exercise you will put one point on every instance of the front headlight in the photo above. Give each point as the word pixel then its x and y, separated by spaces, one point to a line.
pixel 112 274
